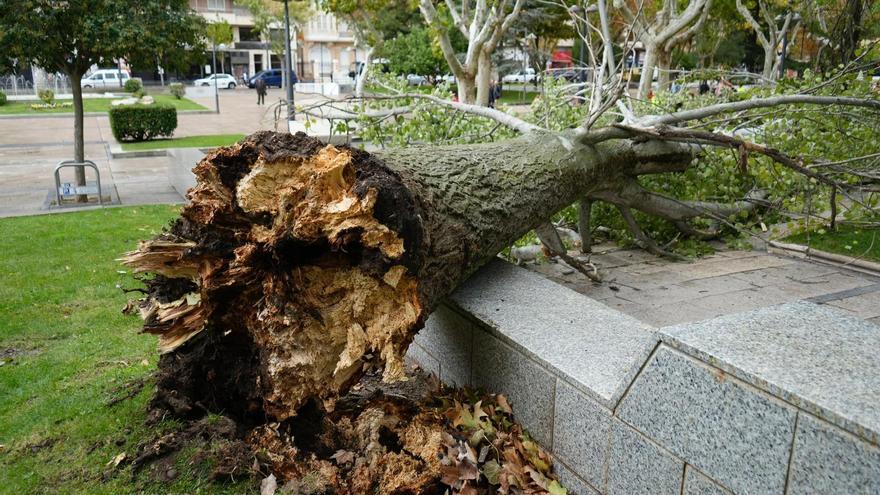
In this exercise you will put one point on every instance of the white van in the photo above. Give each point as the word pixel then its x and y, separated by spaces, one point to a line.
pixel 105 78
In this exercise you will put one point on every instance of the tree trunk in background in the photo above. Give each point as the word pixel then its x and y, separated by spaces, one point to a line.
pixel 769 63
pixel 361 78
pixel 79 153
pixel 647 77
pixel 484 79
pixel 467 89
pixel 664 63
pixel 299 266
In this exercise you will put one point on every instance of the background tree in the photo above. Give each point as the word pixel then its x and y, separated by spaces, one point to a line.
pixel 268 18
pixel 777 20
pixel 661 26
pixel 219 33
pixel 483 24
pixel 549 23
pixel 70 37
pixel 413 53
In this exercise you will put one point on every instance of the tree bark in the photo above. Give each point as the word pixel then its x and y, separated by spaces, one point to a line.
pixel 467 89
pixel 299 266
pixel 361 78
pixel 484 79
pixel 79 153
pixel 647 77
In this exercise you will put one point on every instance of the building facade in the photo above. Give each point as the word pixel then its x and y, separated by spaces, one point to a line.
pixel 323 49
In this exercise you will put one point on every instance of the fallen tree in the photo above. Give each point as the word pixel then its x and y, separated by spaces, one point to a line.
pixel 298 267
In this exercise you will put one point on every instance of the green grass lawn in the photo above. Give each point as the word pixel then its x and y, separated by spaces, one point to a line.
pixel 66 349
pixel 848 240
pixel 516 97
pixel 209 141
pixel 91 105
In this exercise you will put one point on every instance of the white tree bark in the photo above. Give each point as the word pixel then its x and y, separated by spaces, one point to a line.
pixel 768 40
pixel 660 35
pixel 483 24
pixel 361 78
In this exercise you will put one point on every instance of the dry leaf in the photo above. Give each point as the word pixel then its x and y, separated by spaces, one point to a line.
pixel 268 485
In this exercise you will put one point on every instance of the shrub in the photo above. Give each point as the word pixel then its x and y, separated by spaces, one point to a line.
pixel 47 95
pixel 133 85
pixel 177 90
pixel 142 122
pixel 2 98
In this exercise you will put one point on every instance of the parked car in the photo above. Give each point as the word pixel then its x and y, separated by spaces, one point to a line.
pixel 105 78
pixel 272 78
pixel 223 81
pixel 521 77
pixel 416 80
pixel 447 78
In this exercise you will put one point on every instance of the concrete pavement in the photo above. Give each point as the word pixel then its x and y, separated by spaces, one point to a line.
pixel 31 147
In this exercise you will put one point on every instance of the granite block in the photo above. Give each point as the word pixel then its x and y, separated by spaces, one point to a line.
pixel 421 357
pixel 637 465
pixel 573 484
pixel 734 433
pixel 499 368
pixel 827 459
pixel 815 357
pixel 448 337
pixel 696 483
pixel 598 349
pixel 581 433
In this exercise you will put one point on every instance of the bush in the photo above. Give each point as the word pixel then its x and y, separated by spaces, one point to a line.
pixel 2 98
pixel 133 85
pixel 47 95
pixel 142 122
pixel 177 90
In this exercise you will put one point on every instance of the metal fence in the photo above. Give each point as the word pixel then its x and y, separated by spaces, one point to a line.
pixel 19 85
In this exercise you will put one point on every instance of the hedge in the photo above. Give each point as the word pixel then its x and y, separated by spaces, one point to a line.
pixel 142 122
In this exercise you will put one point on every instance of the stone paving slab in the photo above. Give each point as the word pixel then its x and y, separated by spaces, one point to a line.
pixel 812 356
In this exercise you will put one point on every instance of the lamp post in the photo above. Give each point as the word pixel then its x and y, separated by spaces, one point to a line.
pixel 214 75
pixel 580 18
pixel 291 113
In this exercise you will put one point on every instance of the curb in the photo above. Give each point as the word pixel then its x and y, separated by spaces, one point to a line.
pixel 85 114
pixel 800 251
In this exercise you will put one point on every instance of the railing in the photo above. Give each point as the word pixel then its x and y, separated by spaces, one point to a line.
pixel 16 85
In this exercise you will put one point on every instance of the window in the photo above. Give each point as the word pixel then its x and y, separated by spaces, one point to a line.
pixel 216 4
pixel 98 77
pixel 110 75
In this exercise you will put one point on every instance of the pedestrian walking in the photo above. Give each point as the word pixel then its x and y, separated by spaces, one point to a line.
pixel 261 91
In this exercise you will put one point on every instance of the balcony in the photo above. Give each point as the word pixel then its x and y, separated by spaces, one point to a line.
pixel 250 45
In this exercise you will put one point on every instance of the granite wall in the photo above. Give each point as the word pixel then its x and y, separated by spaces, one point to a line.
pixel 783 399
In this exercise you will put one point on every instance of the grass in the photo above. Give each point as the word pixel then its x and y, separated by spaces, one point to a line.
pixel 65 349
pixel 91 105
pixel 208 141
pixel 515 97
pixel 848 240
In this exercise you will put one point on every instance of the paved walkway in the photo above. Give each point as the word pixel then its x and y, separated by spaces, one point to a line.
pixel 662 292
pixel 31 147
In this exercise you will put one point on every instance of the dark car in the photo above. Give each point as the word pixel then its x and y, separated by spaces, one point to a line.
pixel 272 78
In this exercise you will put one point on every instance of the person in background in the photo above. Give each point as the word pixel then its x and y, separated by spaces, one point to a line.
pixel 492 87
pixel 260 86
pixel 704 87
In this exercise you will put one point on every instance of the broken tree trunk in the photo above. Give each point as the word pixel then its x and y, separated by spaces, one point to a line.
pixel 298 266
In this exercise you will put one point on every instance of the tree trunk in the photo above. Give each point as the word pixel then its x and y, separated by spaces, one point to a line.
pixel 299 266
pixel 361 78
pixel 79 153
pixel 647 77
pixel 770 64
pixel 664 63
pixel 467 89
pixel 484 79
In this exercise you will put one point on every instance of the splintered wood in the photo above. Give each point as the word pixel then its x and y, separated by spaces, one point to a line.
pixel 282 265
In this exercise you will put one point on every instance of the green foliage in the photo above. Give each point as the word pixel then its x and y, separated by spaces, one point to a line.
pixel 2 98
pixel 177 90
pixel 850 240
pixel 219 32
pixel 413 53
pixel 47 96
pixel 142 122
pixel 133 85
pixel 428 123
